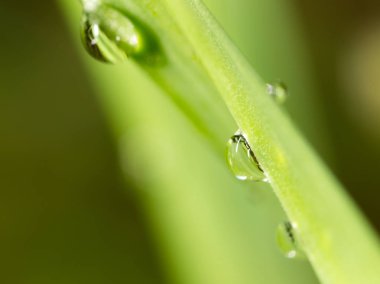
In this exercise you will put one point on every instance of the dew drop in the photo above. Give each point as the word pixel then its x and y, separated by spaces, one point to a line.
pixel 242 160
pixel 111 36
pixel 98 45
pixel 278 91
pixel 287 242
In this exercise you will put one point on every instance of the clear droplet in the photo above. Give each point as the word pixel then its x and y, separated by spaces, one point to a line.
pixel 287 242
pixel 278 91
pixel 242 160
pixel 99 46
pixel 111 36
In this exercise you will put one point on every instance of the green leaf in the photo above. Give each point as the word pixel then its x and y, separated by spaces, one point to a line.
pixel 192 200
pixel 331 230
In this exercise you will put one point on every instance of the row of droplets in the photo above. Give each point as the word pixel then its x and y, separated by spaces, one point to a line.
pixel 246 167
pixel 110 35
pixel 240 156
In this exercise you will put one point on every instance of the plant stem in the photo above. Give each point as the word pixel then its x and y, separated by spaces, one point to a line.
pixel 337 239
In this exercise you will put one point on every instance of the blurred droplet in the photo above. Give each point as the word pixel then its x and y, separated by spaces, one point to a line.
pixel 278 91
pixel 242 160
pixel 287 242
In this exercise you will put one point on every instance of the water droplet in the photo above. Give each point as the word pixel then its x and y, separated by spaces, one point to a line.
pixel 278 91
pixel 287 242
pixel 110 35
pixel 99 46
pixel 242 160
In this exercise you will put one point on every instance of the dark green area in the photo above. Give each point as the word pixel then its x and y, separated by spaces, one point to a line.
pixel 66 215
pixel 329 26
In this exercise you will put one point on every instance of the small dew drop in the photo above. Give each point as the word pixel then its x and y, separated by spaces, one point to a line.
pixel 242 160
pixel 278 91
pixel 287 242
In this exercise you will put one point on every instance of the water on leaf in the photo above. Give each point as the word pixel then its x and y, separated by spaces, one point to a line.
pixel 278 91
pixel 286 241
pixel 99 45
pixel 111 35
pixel 242 160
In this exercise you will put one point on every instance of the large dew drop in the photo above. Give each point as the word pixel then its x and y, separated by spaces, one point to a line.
pixel 287 242
pixel 111 36
pixel 278 91
pixel 242 160
pixel 98 45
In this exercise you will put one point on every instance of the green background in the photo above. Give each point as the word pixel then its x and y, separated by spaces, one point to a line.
pixel 66 213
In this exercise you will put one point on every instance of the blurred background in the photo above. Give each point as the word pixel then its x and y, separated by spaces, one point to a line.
pixel 66 213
